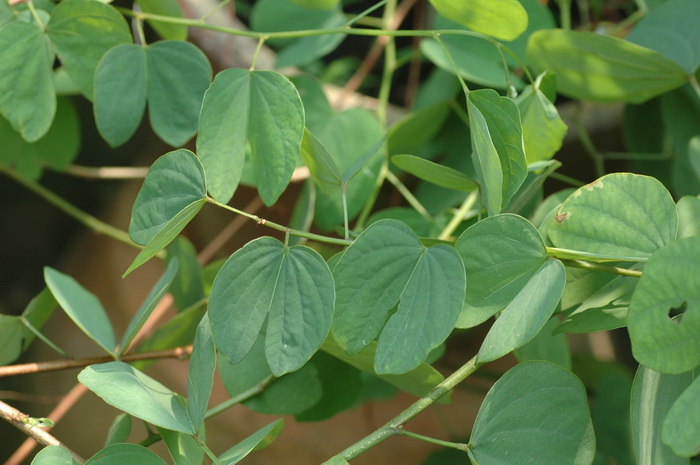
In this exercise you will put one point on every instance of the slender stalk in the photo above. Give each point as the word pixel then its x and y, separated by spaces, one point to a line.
pixel 408 195
pixel 369 205
pixel 604 268
pixel 139 31
pixel 344 196
pixel 564 13
pixel 389 64
pixel 261 42
pixel 455 68
pixel 43 338
pixel 459 215
pixel 588 145
pixel 567 254
pixel 35 15
pixel 206 450
pixel 694 84
pixel 243 396
pixel 219 6
pixel 87 220
pixel 369 10
pixel 453 445
pixel 391 427
pixel 567 179
pixel 279 227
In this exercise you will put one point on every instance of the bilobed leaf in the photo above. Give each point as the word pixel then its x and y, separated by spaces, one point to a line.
pixel 500 254
pixel 119 454
pixel 128 389
pixel 502 19
pixel 148 305
pixel 664 314
pixel 165 8
pixel 82 307
pixel 385 266
pixel 321 165
pixel 538 413
pixel 681 428
pixel 200 378
pixel 256 440
pixel 600 68
pixel 497 138
pixel 653 394
pixel 526 314
pixel 290 287
pixel 246 107
pixel 427 170
pixel 620 214
pixel 670 30
pixel 27 95
pixel 82 31
pixel 53 455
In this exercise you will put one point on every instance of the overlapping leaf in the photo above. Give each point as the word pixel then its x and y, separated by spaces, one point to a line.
pixel 257 440
pixel 427 170
pixel 600 68
pixel 259 109
pixel 385 266
pixel 497 139
pixel 289 288
pixel 621 215
pixel 681 428
pixel 167 30
pixel 53 455
pixel 537 413
pixel 118 454
pixel 664 314
pixel 200 378
pixel 502 19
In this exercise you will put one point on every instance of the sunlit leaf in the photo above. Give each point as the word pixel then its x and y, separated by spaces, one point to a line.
pixel 502 19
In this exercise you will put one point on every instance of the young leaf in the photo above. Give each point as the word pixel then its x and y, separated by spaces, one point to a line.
pixel 664 314
pixel 600 68
pixel 526 314
pixel 538 413
pixel 681 428
pixel 256 440
pixel 502 19
pixel 291 287
pixel 53 455
pixel 321 165
pixel 244 107
pixel 120 454
pixel 427 170
pixel 497 138
pixel 500 254
pixel 200 378
pixel 27 95
pixel 653 394
pixel 385 266
pixel 148 305
pixel 126 388
pixel 621 214
pixel 82 31
pixel 183 448
pixel 82 307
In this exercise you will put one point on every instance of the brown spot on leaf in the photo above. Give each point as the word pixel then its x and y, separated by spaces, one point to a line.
pixel 560 217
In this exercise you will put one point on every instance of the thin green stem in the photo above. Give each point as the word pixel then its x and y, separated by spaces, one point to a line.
pixel 459 215
pixel 89 221
pixel 567 179
pixel 588 145
pixel 279 227
pixel 139 31
pixel 391 427
pixel 461 114
pixel 454 66
pixel 604 268
pixel 567 254
pixel 261 42
pixel 408 195
pixel 43 338
pixel 214 10
pixel 389 64
pixel 205 448
pixel 439 442
pixel 564 13
pixel 369 205
pixel 235 400
pixel 35 15
pixel 368 11
pixel 344 196
pixel 694 84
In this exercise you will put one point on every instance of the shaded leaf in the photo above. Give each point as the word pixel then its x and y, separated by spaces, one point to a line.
pixel 681 428
pixel 187 287
pixel 546 346
pixel 264 435
pixel 119 430
pixel 427 170
pixel 200 378
pixel 291 394
pixel 688 217
pixel 53 455
pixel 183 448
pixel 321 165
pixel 165 8
pixel 119 454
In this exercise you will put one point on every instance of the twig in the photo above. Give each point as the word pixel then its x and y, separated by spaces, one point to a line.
pixel 107 172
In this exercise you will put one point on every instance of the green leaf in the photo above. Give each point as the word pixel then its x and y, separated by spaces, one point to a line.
pixel 200 378
pixel 417 128
pixel 244 107
pixel 610 412
pixel 653 394
pixel 11 334
pixel 37 313
pixel 681 428
pixel 165 8
pixel 317 109
pixel 432 172
pixel 321 165
pixel 27 95
pixel 418 381
pixel 336 460
pixel 497 138
pixel 537 413
pixel 82 31
pixel 502 19
pixel 259 438
pixel 688 217
pixel 600 68
pixel 187 287
pixel 120 430
pixel 681 118
pixel 290 287
pixel 664 314
pixel 82 307
pixel 385 266
pixel 128 389
pixel 307 49
pixel 621 215
pixel 291 394
pixel 546 346
pixel 543 129
pixel 53 455
pixel 119 454
pixel 172 75
pixel 526 314
pixel 250 371
pixel 670 30
pixel 318 4
pixel 183 448
pixel 500 254
pixel 148 305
